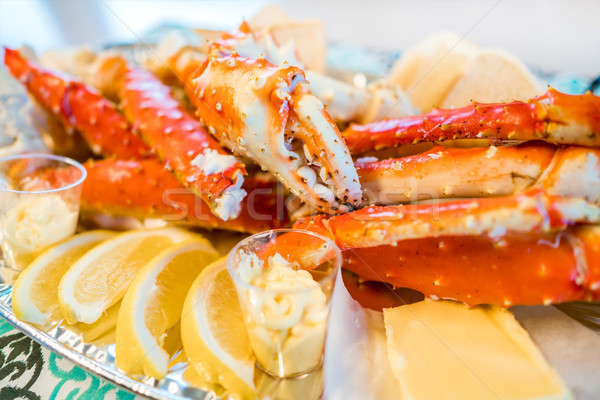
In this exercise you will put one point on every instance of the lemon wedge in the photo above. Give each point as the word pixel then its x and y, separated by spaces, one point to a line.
pixel 35 293
pixel 153 303
pixel 214 335
pixel 101 277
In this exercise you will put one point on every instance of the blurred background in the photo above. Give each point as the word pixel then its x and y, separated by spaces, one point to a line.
pixel 553 36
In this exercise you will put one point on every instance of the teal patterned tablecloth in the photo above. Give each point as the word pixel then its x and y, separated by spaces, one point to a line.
pixel 30 371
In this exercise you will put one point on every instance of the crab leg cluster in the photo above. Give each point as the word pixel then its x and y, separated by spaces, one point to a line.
pixel 109 133
pixel 537 247
pixel 509 214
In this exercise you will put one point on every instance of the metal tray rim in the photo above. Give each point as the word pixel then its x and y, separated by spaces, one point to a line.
pixel 115 377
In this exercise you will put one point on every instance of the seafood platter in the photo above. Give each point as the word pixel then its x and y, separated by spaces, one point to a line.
pixel 221 214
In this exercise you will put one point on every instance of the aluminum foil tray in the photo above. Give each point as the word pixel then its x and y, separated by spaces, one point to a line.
pixel 101 360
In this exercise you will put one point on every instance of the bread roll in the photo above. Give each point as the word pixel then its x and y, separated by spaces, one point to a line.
pixel 428 70
pixel 493 76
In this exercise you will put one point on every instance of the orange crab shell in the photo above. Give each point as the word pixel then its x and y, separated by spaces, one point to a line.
pixel 214 98
pixel 175 136
pixel 470 250
pixel 262 111
pixel 534 211
pixel 554 117
pixel 444 172
pixel 524 270
pixel 143 189
pixel 78 106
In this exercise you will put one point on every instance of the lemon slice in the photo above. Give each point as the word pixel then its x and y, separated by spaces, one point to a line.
pixel 153 303
pixel 213 332
pixel 35 293
pixel 100 278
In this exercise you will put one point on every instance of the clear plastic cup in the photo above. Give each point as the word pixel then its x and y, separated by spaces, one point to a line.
pixel 39 206
pixel 284 281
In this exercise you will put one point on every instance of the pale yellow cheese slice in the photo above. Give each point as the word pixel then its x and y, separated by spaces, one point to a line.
pixel 442 350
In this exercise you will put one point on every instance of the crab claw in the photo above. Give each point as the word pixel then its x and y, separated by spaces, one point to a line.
pixel 268 114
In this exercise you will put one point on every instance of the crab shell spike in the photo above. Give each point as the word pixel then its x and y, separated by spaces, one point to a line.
pixel 443 172
pixel 553 117
pixel 78 106
pixel 143 189
pixel 197 159
pixel 227 43
pixel 268 115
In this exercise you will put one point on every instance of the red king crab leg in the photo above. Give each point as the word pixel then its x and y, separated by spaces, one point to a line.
pixel 79 107
pixel 143 189
pixel 196 158
pixel 525 270
pixel 503 250
pixel 480 172
pixel 553 117
pixel 268 114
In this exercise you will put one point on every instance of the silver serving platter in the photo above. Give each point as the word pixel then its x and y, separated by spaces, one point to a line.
pixel 100 360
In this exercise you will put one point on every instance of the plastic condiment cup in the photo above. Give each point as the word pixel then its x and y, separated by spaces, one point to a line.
pixel 284 280
pixel 39 206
